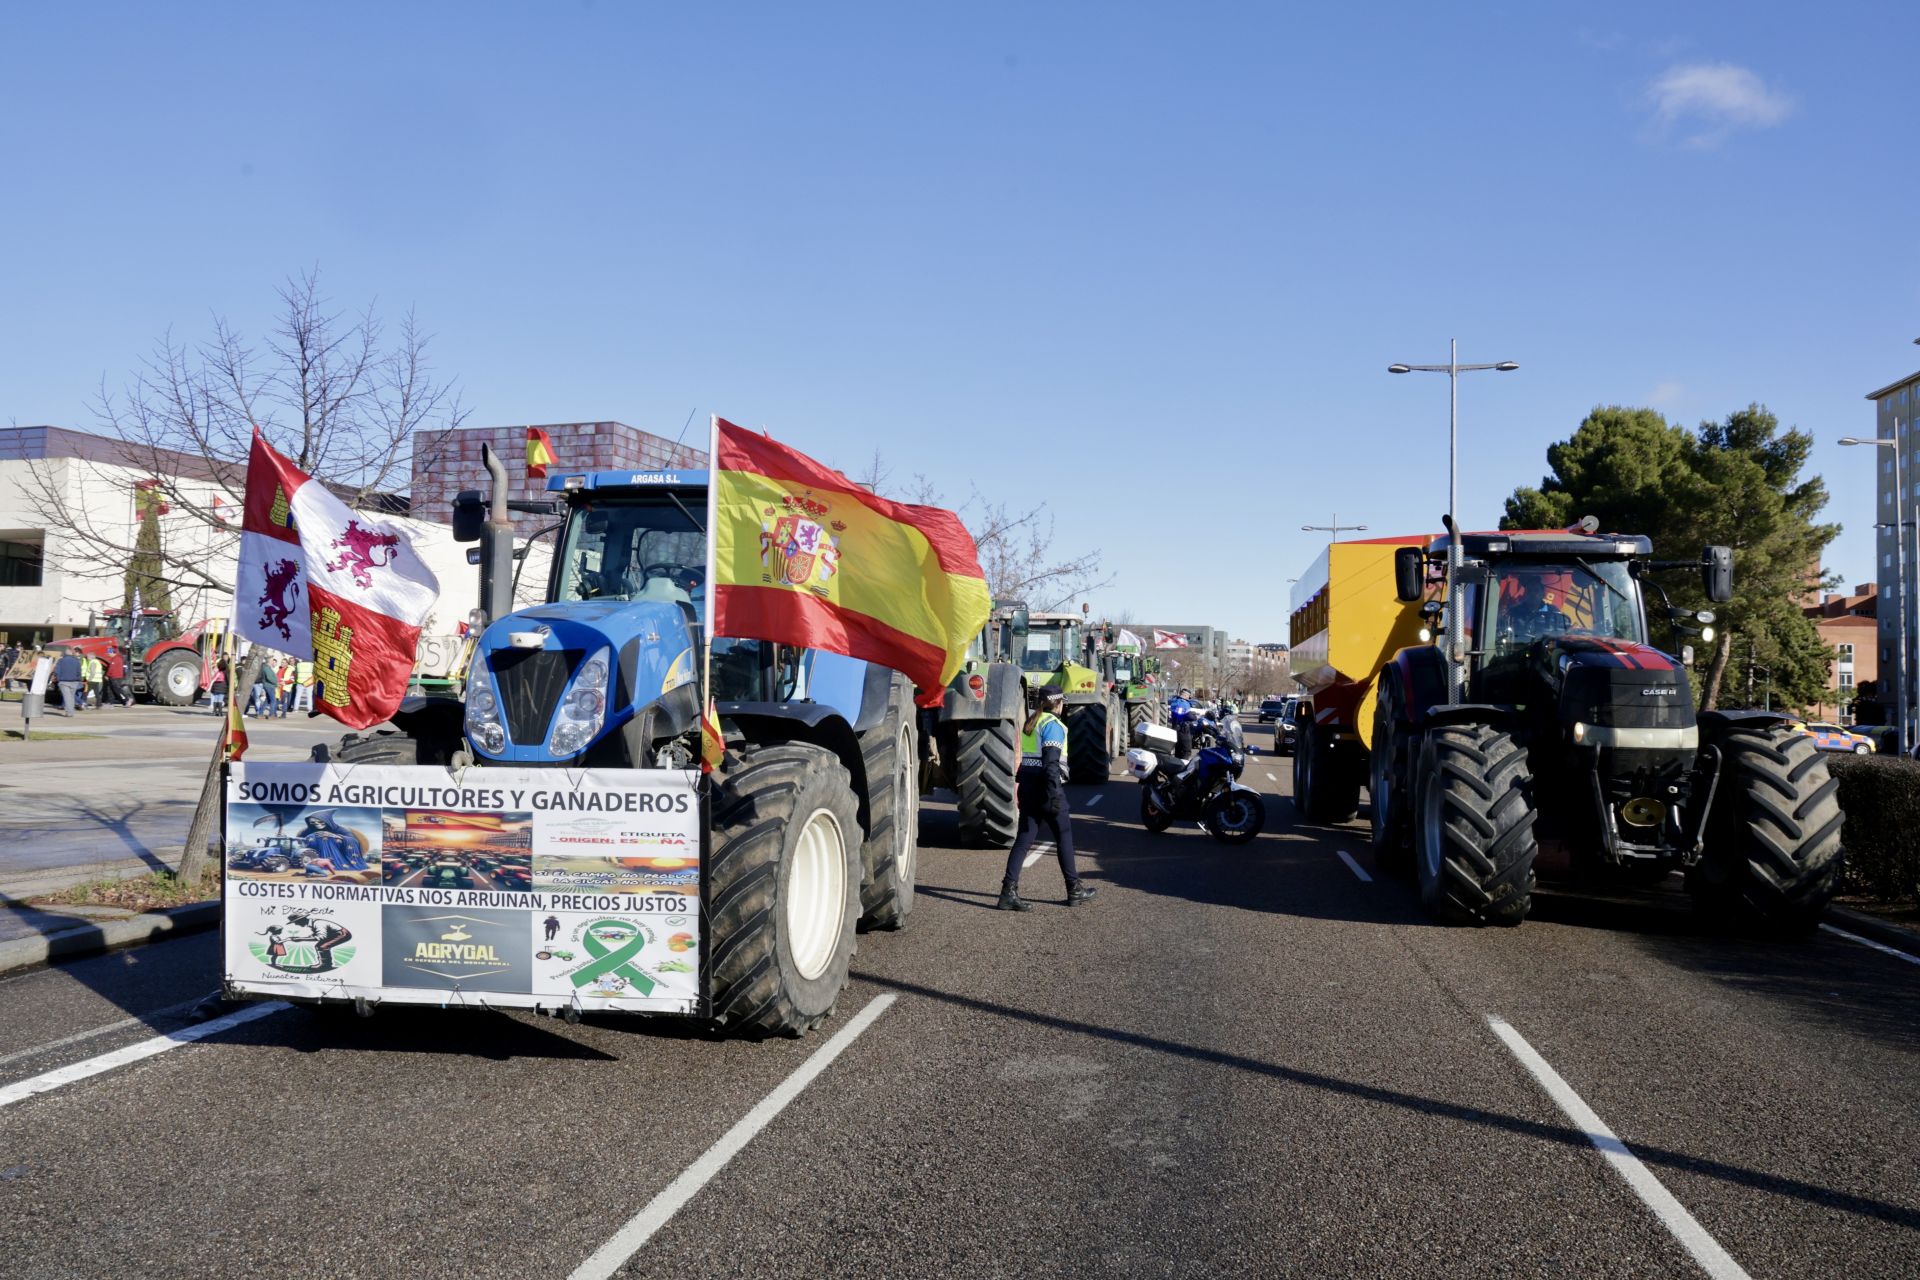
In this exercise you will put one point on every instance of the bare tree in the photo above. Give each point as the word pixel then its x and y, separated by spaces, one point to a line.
pixel 327 389
pixel 1016 546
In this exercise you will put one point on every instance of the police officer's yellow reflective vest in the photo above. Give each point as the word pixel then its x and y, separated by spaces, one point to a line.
pixel 1030 754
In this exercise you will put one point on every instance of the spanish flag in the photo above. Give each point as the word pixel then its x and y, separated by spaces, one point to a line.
pixel 539 453
pixel 804 556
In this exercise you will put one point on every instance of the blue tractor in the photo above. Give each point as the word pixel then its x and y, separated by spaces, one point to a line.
pixel 815 813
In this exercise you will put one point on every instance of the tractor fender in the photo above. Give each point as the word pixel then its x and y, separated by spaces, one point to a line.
pixel 1715 724
pixel 1006 698
pixel 1421 673
pixel 766 723
pixel 1499 715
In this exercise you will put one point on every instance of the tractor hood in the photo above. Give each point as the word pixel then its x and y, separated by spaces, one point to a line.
pixel 1625 695
pixel 560 682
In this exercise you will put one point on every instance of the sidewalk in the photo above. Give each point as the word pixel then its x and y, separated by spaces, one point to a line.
pixel 114 805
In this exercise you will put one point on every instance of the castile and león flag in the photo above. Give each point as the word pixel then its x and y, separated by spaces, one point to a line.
pixel 325 584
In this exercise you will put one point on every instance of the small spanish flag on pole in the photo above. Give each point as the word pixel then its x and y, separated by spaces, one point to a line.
pixel 539 453
pixel 236 735
pixel 713 744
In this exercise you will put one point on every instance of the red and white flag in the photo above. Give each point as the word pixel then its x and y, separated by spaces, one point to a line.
pixel 1169 640
pixel 332 586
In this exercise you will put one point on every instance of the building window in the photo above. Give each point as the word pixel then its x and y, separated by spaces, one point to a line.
pixel 1886 559
pixel 1846 653
pixel 19 563
pixel 1846 679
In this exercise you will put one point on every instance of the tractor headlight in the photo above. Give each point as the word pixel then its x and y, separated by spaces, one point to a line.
pixel 483 725
pixel 1706 635
pixel 1579 731
pixel 583 710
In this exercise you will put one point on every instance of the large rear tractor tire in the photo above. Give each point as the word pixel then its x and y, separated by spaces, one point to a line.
pixel 1324 790
pixel 1089 742
pixel 1389 791
pixel 1772 856
pixel 1139 713
pixel 985 756
pixel 888 856
pixel 1473 829
pixel 785 889
pixel 174 680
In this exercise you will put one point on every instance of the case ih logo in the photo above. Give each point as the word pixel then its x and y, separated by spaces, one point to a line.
pixel 1660 691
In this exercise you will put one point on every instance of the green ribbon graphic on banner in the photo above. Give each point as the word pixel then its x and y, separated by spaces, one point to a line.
pixel 613 960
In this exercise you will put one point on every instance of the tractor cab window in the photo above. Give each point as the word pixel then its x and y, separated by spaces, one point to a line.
pixel 1584 598
pixel 1044 650
pixel 634 549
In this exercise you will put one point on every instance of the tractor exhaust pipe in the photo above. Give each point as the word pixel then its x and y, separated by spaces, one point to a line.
pixel 496 542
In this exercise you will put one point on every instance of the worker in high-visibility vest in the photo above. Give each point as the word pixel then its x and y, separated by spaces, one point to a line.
pixel 303 686
pixel 1041 788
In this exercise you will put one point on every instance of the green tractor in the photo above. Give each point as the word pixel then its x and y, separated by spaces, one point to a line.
pixel 1126 670
pixel 1050 651
pixel 971 744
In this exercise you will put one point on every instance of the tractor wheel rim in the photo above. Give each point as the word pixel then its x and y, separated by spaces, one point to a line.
pixel 816 894
pixel 182 681
pixel 906 820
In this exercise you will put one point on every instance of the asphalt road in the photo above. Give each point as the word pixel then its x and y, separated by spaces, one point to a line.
pixel 1234 1062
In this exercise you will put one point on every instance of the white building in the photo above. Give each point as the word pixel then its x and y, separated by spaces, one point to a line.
pixel 52 583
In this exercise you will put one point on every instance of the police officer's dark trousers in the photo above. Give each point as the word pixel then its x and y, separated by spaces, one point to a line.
pixel 1042 809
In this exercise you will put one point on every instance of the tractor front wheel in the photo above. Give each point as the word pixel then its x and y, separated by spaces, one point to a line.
pixel 785 888
pixel 981 766
pixel 174 680
pixel 1388 796
pixel 893 808
pixel 1323 789
pixel 1473 829
pixel 1089 742
pixel 1772 856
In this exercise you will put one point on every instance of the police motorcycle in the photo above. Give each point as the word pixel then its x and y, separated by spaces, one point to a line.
pixel 1204 788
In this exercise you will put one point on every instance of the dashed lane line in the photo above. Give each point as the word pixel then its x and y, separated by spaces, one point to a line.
pixel 1095 800
pixel 109 1029
pixel 629 1240
pixel 1706 1251
pixel 1895 952
pixel 1355 867
pixel 135 1052
pixel 1271 778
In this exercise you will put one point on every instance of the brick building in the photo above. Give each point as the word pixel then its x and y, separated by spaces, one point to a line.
pixel 445 462
pixel 1847 621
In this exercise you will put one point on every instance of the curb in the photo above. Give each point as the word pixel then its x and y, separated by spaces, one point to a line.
pixel 93 937
pixel 1882 931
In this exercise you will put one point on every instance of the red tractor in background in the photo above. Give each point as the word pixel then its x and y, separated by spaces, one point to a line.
pixel 155 661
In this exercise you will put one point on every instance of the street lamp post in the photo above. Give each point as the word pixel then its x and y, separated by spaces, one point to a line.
pixel 1336 528
pixel 1456 656
pixel 1900 569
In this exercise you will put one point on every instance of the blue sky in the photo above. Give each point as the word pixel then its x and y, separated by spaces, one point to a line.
pixel 1145 262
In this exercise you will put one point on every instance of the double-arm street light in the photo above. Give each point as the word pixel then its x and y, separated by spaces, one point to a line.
pixel 1900 569
pixel 1456 658
pixel 1336 528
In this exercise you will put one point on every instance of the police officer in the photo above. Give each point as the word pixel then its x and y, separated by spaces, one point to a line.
pixel 1180 708
pixel 1042 792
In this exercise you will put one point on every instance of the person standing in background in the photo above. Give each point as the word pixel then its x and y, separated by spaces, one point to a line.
pixel 69 675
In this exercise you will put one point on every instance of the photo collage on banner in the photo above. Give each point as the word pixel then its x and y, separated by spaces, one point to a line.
pixel 506 886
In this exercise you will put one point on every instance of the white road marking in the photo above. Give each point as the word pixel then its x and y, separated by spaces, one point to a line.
pixel 1031 859
pixel 1869 942
pixel 135 1052
pixel 627 1241
pixel 1271 778
pixel 1672 1214
pixel 1095 800
pixel 1355 867
pixel 97 1032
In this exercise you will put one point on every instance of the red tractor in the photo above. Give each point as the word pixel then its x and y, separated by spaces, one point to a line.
pixel 146 653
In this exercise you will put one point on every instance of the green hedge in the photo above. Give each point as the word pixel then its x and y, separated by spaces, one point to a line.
pixel 1881 797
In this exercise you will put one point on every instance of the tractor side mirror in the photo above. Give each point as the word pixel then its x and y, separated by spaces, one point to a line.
pixel 1409 573
pixel 469 515
pixel 1716 573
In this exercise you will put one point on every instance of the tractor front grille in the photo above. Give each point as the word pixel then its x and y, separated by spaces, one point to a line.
pixel 531 682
